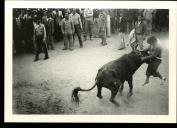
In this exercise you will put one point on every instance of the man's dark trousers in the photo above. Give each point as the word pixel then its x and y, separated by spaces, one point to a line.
pixel 78 32
pixel 40 43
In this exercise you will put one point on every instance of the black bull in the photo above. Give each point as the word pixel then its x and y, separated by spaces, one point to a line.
pixel 113 75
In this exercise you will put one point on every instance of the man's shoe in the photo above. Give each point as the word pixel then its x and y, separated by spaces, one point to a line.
pixel 64 49
pixel 46 58
pixel 104 44
pixel 163 78
pixel 121 48
pixel 146 82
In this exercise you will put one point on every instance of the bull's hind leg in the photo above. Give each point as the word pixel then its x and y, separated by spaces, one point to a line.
pixel 112 99
pixel 121 89
pixel 99 91
pixel 130 93
pixel 114 91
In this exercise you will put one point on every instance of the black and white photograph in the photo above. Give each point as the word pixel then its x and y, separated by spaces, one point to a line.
pixel 90 60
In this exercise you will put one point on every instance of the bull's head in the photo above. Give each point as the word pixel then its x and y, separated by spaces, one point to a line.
pixel 139 54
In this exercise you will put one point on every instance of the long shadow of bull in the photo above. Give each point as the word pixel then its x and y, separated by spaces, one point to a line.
pixel 113 75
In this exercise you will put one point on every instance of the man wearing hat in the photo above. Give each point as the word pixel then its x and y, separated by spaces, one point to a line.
pixel 40 38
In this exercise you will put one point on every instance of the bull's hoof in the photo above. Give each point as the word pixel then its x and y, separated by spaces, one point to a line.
pixel 114 102
pixel 146 82
pixel 129 94
pixel 99 96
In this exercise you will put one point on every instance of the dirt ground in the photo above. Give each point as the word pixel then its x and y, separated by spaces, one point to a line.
pixel 45 87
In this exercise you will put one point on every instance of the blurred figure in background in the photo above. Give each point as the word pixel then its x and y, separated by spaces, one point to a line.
pixel 96 13
pixel 57 33
pixel 140 34
pixel 113 18
pixel 88 16
pixel 67 28
pixel 17 31
pixel 29 33
pixel 77 26
pixel 102 27
pixel 122 26
pixel 50 32
pixel 147 14
pixel 45 19
pixel 108 23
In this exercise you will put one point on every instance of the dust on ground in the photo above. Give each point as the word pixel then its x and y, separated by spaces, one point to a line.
pixel 45 87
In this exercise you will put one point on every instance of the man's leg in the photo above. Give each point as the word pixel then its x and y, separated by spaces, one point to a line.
pixel 78 32
pixel 147 80
pixel 52 42
pixel 44 46
pixel 104 38
pixel 122 43
pixel 37 50
pixel 70 39
pixel 156 73
pixel 65 42
pixel 86 30
pixel 90 27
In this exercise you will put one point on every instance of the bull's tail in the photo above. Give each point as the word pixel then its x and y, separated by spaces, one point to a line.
pixel 75 91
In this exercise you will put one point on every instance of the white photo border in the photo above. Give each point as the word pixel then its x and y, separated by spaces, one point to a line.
pixel 170 118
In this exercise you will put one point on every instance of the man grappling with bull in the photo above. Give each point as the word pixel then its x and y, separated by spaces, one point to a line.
pixel 154 57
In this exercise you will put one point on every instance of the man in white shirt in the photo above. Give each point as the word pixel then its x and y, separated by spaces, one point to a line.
pixel 77 26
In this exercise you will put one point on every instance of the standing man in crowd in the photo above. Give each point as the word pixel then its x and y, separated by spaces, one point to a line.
pixel 113 17
pixel 102 27
pixel 140 34
pixel 45 19
pixel 77 26
pixel 122 26
pixel 17 32
pixel 148 14
pixel 96 13
pixel 88 15
pixel 67 28
pixel 40 39
pixel 29 33
pixel 50 32
pixel 108 26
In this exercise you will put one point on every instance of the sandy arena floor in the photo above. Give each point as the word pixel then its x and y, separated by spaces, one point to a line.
pixel 45 87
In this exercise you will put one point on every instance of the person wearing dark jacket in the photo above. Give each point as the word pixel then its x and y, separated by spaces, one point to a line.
pixel 122 26
pixel 154 58
pixel 17 33
pixel 50 32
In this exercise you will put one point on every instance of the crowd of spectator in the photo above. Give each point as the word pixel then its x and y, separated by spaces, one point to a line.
pixel 64 24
